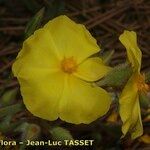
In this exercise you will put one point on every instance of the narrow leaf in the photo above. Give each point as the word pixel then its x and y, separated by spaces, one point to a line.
pixel 107 56
pixel 34 23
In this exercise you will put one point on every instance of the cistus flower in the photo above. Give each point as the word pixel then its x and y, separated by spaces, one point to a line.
pixel 56 73
pixel 129 99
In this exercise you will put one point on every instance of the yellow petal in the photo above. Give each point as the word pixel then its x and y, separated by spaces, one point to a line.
pixel 83 102
pixel 71 39
pixel 136 120
pixel 145 138
pixel 129 40
pixel 38 51
pixel 113 117
pixel 41 91
pixel 130 109
pixel 92 69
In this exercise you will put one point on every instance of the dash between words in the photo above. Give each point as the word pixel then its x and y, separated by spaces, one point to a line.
pixel 49 143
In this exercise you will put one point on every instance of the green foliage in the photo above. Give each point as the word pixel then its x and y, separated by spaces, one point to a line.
pixel 100 132
pixel 59 133
pixel 107 56
pixel 8 97
pixel 34 23
pixel 144 100
pixel 147 76
pixel 6 115
pixel 12 109
pixel 117 77
pixel 29 131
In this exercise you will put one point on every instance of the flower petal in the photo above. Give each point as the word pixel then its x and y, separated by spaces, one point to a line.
pixel 145 138
pixel 130 110
pixel 41 91
pixel 92 69
pixel 72 39
pixel 138 128
pixel 38 51
pixel 82 102
pixel 129 40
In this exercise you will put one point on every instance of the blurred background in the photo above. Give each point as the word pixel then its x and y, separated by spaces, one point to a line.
pixel 106 20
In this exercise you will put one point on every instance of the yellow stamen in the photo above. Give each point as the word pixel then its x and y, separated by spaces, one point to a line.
pixel 142 86
pixel 68 65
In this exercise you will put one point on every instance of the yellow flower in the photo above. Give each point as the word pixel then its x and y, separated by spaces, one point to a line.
pixel 129 99
pixel 56 72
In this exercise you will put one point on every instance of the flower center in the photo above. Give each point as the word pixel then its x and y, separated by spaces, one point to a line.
pixel 68 65
pixel 142 86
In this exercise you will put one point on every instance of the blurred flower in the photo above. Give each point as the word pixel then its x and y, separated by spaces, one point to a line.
pixel 56 72
pixel 113 117
pixel 129 100
pixel 145 139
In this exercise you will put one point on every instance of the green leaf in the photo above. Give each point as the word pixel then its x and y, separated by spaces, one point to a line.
pixel 59 133
pixel 8 97
pixel 29 131
pixel 12 109
pixel 144 100
pixel 147 77
pixel 107 56
pixel 6 125
pixel 34 23
pixel 117 77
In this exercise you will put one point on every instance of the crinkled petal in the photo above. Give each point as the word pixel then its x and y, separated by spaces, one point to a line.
pixel 138 127
pixel 41 91
pixel 130 110
pixel 38 51
pixel 71 39
pixel 92 69
pixel 129 40
pixel 82 102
